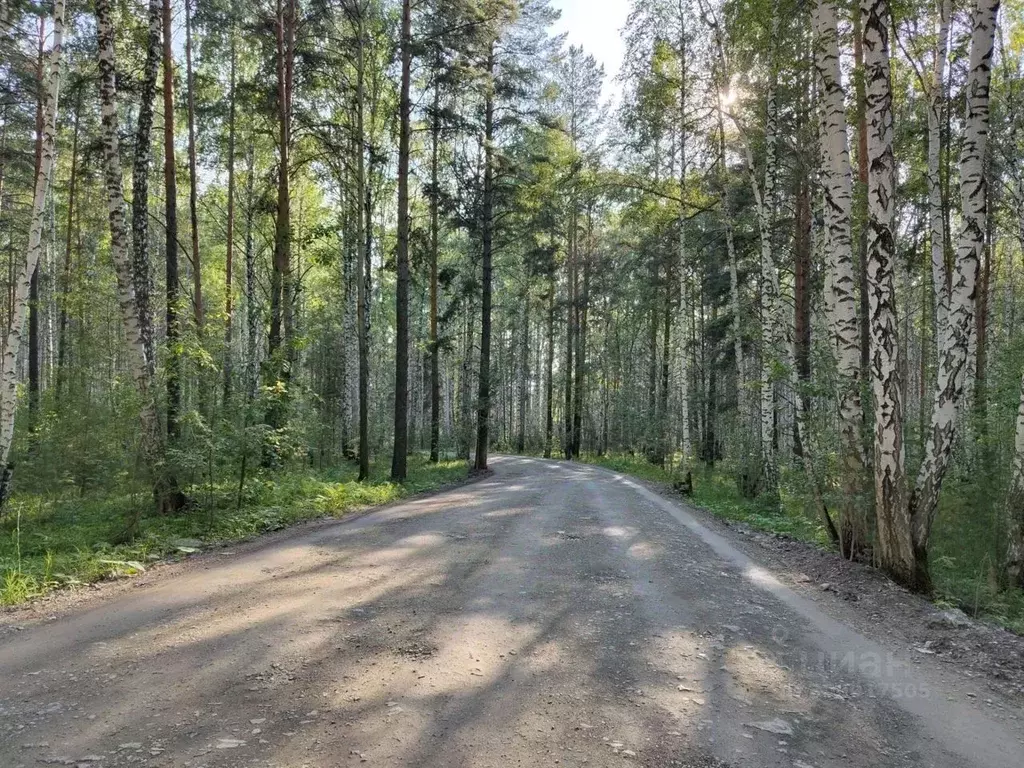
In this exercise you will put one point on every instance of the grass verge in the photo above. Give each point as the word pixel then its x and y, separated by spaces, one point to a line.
pixel 961 570
pixel 50 543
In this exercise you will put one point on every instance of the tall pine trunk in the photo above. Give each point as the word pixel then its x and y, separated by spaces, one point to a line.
pixel 362 258
pixel 279 340
pixel 193 209
pixel 435 349
pixel 487 234
pixel 400 454
pixel 173 331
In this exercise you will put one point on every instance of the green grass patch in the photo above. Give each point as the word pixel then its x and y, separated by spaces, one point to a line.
pixel 52 542
pixel 716 492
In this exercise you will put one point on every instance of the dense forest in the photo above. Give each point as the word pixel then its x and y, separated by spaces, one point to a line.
pixel 779 251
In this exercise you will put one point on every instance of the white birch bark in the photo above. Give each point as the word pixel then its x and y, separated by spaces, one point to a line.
pixel 953 357
pixel 895 550
pixel 771 316
pixel 840 280
pixel 682 313
pixel 936 220
pixel 12 346
pixel 770 305
pixel 152 437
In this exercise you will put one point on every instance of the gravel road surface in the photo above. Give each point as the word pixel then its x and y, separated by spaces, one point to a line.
pixel 547 615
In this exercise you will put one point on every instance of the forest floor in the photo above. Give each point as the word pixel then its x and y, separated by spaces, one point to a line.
pixel 548 614
pixel 51 542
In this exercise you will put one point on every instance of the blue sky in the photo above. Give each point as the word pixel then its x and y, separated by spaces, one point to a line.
pixel 595 25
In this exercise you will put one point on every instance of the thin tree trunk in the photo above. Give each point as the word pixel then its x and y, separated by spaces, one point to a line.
pixel 251 306
pixel 549 384
pixel 279 340
pixel 229 261
pixel 33 291
pixel 684 390
pixel 484 390
pixel 62 322
pixel 401 447
pixel 570 329
pixel 140 183
pixel 435 349
pixel 22 281
pixel 173 332
pixel 362 257
pixel 936 206
pixel 197 272
pixel 524 371
pixel 582 301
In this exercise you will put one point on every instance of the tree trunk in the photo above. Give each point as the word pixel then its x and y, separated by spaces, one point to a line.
pixel 936 205
pixel 840 281
pixel 165 490
pixel 484 391
pixel 684 378
pixel 895 548
pixel 582 302
pixel 524 371
pixel 252 317
pixel 65 288
pixel 279 350
pixel 140 184
pixel 362 228
pixel 197 272
pixel 23 279
pixel 229 261
pixel 435 349
pixel 173 332
pixel 949 386
pixel 549 384
pixel 401 448
pixel 33 290
pixel 570 330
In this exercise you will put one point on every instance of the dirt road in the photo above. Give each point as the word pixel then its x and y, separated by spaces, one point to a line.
pixel 547 615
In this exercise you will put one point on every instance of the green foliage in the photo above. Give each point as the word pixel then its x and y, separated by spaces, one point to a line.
pixel 48 543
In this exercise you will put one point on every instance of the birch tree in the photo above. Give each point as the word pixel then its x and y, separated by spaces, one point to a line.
pixel 905 521
pixel 936 210
pixel 840 281
pixel 895 550
pixel 166 494
pixel 140 181
pixel 23 279
pixel 949 386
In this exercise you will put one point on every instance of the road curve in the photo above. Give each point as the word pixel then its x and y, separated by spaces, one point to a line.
pixel 551 614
